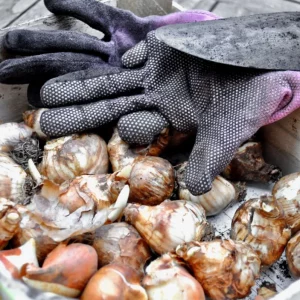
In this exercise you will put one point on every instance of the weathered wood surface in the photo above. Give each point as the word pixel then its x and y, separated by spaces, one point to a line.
pixel 38 10
pixel 227 8
pixel 138 7
pixel 10 10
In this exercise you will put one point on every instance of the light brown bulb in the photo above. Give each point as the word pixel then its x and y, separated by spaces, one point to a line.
pixel 261 224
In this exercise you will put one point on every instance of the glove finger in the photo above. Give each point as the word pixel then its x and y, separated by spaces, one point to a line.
pixel 98 15
pixel 27 69
pixel 214 148
pixel 72 119
pixel 31 42
pixel 136 56
pixel 141 127
pixel 90 85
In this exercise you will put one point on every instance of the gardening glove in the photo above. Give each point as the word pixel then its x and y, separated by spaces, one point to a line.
pixel 48 54
pixel 226 105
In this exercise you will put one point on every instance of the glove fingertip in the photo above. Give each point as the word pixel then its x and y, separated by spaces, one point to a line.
pixel 136 56
pixel 198 183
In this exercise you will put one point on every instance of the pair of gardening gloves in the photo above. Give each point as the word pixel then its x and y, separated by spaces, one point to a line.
pixel 195 77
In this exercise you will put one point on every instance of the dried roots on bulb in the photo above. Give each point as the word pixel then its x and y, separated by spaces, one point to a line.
pixel 70 156
pixel 121 243
pixel 287 193
pixel 261 224
pixel 168 278
pixel 121 154
pixel 218 198
pixel 65 271
pixel 10 220
pixel 226 269
pixel 293 255
pixel 26 150
pixel 248 164
pixel 115 281
pixel 169 224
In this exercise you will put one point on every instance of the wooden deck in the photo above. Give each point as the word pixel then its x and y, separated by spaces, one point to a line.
pixel 14 12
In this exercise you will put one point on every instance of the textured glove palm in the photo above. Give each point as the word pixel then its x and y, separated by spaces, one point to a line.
pixel 226 105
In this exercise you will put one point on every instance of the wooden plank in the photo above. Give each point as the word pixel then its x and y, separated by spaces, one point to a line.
pixel 197 4
pixel 282 142
pixel 142 8
pixel 227 8
pixel 11 9
pixel 37 11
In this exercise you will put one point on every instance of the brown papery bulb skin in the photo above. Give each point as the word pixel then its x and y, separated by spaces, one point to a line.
pixel 151 181
pixel 12 179
pixel 226 269
pixel 69 265
pixel 169 224
pixel 248 164
pixel 102 189
pixel 261 224
pixel 293 255
pixel 121 243
pixel 75 155
pixel 167 278
pixel 114 282
pixel 121 154
pixel 9 221
pixel 287 193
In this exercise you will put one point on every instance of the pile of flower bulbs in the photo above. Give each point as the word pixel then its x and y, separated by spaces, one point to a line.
pixel 81 217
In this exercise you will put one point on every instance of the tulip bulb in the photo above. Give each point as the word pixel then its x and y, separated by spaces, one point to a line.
pixel 151 180
pixel 287 193
pixel 11 134
pixel 115 281
pixel 293 255
pixel 261 224
pixel 65 271
pixel 13 262
pixel 44 244
pixel 15 184
pixel 70 156
pixel 168 279
pixel 225 269
pixel 121 243
pixel 9 221
pixel 218 198
pixel 121 154
pixel 248 164
pixel 102 189
pixel 168 224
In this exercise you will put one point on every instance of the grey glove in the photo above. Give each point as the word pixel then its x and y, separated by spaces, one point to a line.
pixel 225 104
